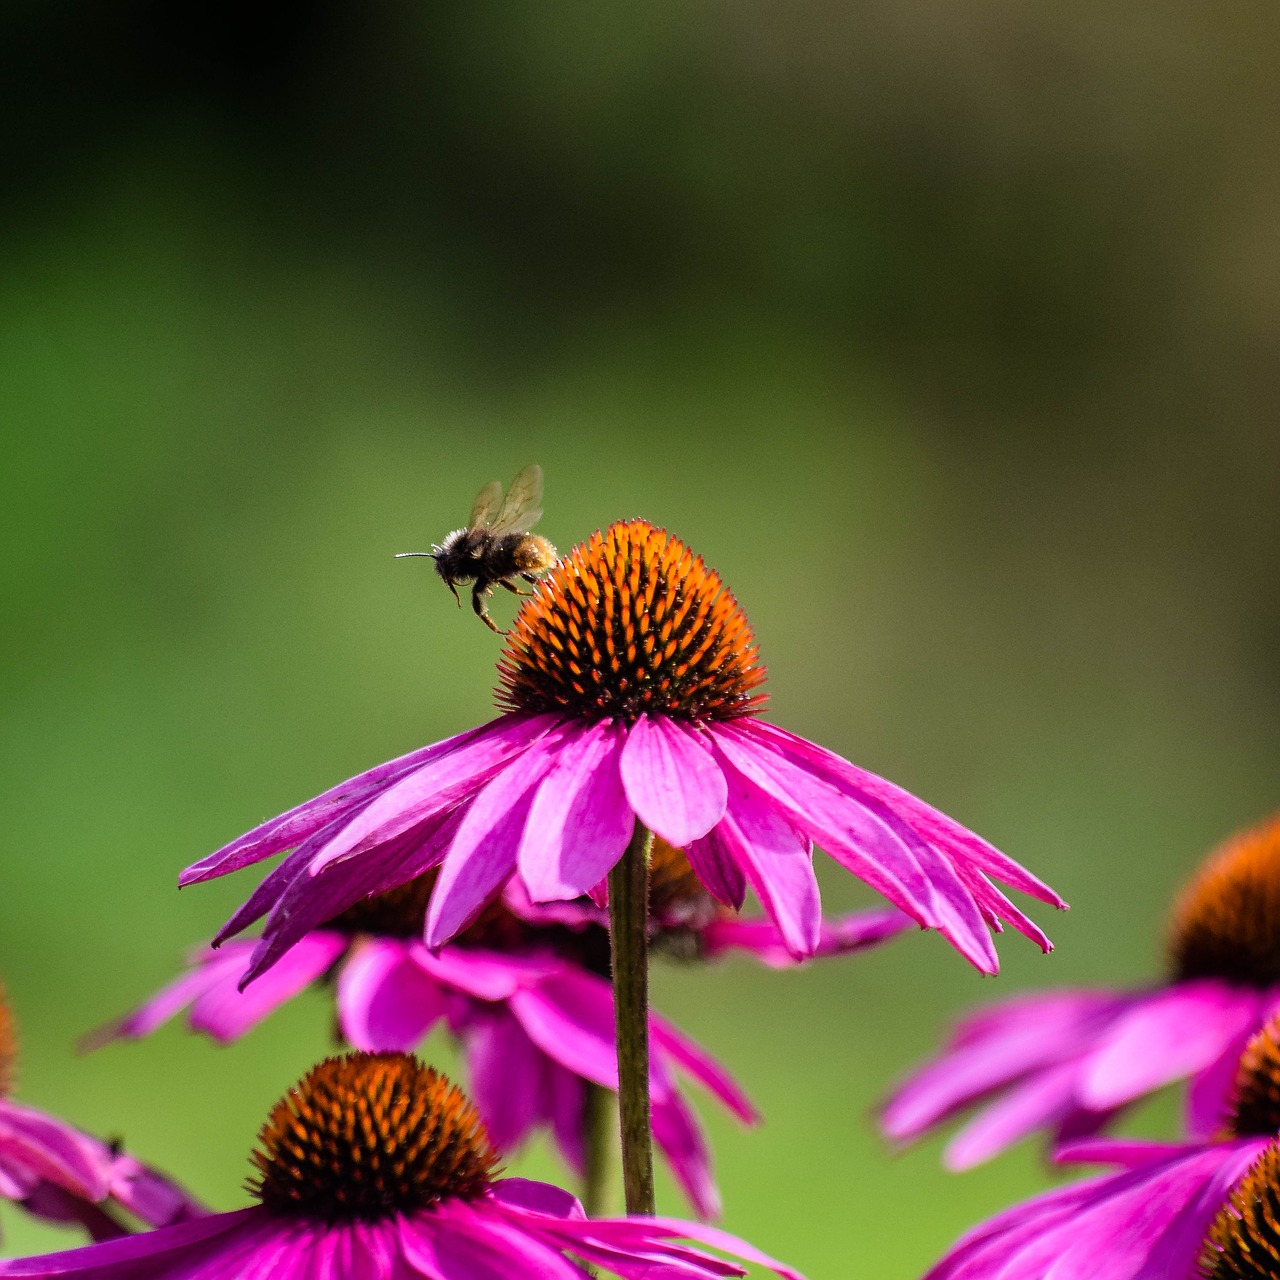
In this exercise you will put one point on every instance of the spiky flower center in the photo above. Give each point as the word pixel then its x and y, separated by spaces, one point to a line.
pixel 1255 1110
pixel 368 1136
pixel 1227 922
pixel 8 1047
pixel 632 623
pixel 1244 1239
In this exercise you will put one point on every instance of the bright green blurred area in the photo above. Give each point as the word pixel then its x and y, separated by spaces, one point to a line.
pixel 947 332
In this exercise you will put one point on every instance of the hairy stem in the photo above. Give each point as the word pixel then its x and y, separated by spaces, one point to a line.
pixel 629 941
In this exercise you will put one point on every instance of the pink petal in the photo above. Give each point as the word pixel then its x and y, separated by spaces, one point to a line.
pixel 486 975
pixel 483 853
pixel 291 828
pixel 684 1146
pixel 1031 1104
pixel 778 865
pixel 1171 1034
pixel 931 823
pixel 713 864
pixel 692 1058
pixel 225 1013
pixel 580 821
pixel 672 780
pixel 509 1079
pixel 849 832
pixel 495 749
pixel 386 1003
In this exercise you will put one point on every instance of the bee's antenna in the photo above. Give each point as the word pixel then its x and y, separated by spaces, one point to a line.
pixel 400 555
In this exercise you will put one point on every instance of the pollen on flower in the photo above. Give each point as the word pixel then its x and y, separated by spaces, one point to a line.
pixel 1227 922
pixel 368 1136
pixel 631 623
pixel 1244 1239
pixel 1255 1110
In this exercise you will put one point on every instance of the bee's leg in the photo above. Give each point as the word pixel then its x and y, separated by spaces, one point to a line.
pixel 530 577
pixel 511 586
pixel 478 593
pixel 448 582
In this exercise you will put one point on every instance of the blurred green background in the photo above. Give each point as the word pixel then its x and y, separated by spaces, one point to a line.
pixel 946 330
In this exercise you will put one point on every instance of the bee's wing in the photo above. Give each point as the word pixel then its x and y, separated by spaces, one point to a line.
pixel 523 506
pixel 485 505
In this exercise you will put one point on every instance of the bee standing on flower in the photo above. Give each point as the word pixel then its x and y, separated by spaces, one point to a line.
pixel 496 546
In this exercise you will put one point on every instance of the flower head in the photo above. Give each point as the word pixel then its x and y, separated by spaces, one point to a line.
pixel 630 683
pixel 376 1166
pixel 1172 1210
pixel 1070 1061
pixel 61 1174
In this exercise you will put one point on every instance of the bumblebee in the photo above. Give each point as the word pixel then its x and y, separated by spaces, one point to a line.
pixel 496 547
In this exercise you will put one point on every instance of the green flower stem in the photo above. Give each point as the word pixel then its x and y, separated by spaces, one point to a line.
pixel 629 939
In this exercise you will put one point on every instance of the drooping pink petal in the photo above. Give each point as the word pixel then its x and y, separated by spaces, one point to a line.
pixel 931 823
pixel 483 853
pixel 528 1196
pixel 841 936
pixel 580 821
pixel 850 833
pixel 713 864
pixel 672 780
pixel 693 1059
pixel 146 1253
pixel 778 865
pixel 1171 1034
pixel 311 901
pixel 386 1003
pixel 677 1132
pixel 151 1196
pixel 509 1077
pixel 570 1018
pixel 497 748
pixel 55 1150
pixel 486 975
pixel 1211 1090
pixel 209 970
pixel 996 1047
pixel 1035 1102
pixel 441 1247
pixel 291 828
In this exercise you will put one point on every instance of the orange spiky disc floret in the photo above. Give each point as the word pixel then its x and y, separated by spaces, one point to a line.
pixel 368 1136
pixel 632 623
pixel 1244 1239
pixel 1227 922
pixel 8 1047
pixel 1255 1104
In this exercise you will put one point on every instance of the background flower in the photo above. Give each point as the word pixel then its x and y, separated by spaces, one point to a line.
pixel 374 1165
pixel 1069 1062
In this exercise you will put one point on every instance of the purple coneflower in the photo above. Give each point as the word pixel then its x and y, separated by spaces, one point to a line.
pixel 528 1003
pixel 377 1168
pixel 58 1173
pixel 1172 1212
pixel 1070 1061
pixel 630 685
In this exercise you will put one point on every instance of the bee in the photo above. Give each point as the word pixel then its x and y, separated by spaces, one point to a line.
pixel 496 546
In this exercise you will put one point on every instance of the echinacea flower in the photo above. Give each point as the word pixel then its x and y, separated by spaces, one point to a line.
pixel 61 1174
pixel 630 684
pixel 1173 1211
pixel 375 1167
pixel 535 1022
pixel 1069 1061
